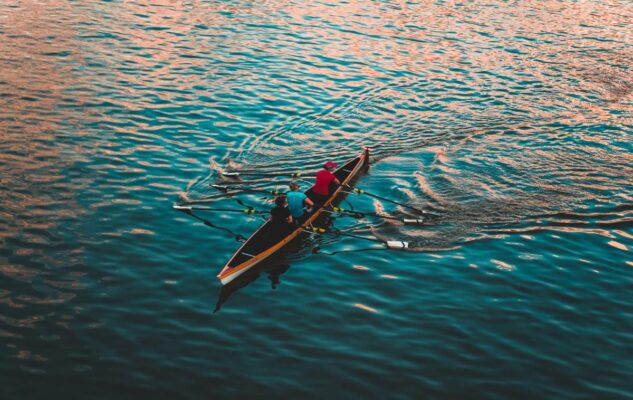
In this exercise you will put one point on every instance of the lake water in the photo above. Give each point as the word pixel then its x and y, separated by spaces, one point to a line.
pixel 512 121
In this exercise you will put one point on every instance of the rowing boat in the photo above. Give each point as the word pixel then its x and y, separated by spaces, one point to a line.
pixel 259 246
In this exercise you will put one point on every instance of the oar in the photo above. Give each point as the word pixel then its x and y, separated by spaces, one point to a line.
pixel 391 244
pixel 188 209
pixel 361 191
pixel 237 236
pixel 236 174
pixel 406 221
pixel 205 200
pixel 228 189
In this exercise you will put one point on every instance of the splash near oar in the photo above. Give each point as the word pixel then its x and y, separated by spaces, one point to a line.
pixel 361 191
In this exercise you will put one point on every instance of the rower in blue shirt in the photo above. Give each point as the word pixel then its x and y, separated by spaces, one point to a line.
pixel 296 202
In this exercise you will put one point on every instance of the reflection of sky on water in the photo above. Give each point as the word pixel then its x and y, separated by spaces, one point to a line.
pixel 356 73
pixel 512 120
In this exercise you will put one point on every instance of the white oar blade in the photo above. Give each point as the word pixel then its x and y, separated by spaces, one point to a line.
pixel 221 188
pixel 396 244
pixel 413 221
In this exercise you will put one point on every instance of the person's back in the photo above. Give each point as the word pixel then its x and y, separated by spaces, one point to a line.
pixel 322 182
pixel 296 201
pixel 280 218
pixel 321 188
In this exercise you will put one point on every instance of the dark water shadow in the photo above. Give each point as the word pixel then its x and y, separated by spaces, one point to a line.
pixel 273 269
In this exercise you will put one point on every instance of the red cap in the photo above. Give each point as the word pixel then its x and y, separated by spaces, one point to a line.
pixel 329 164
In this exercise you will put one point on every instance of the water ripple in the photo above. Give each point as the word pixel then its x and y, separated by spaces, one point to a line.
pixel 512 122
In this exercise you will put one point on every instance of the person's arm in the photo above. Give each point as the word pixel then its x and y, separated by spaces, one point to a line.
pixel 308 201
pixel 289 219
pixel 337 181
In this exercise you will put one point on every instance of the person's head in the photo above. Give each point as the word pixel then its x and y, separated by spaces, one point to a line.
pixel 294 186
pixel 329 165
pixel 280 201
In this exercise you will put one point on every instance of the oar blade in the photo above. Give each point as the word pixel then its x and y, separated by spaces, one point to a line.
pixel 185 209
pixel 221 188
pixel 397 244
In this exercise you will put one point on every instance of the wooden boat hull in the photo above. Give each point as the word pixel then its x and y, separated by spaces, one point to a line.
pixel 253 252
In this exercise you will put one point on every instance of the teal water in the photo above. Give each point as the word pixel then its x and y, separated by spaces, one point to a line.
pixel 512 120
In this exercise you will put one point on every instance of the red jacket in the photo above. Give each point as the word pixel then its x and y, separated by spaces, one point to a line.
pixel 323 180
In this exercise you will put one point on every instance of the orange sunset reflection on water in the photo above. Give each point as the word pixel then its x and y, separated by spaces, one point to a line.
pixel 499 136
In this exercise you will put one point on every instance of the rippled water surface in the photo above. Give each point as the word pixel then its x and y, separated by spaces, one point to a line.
pixel 511 120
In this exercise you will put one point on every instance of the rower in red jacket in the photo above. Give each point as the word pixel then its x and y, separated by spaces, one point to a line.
pixel 324 179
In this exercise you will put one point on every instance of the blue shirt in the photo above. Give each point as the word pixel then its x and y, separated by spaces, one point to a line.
pixel 295 203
